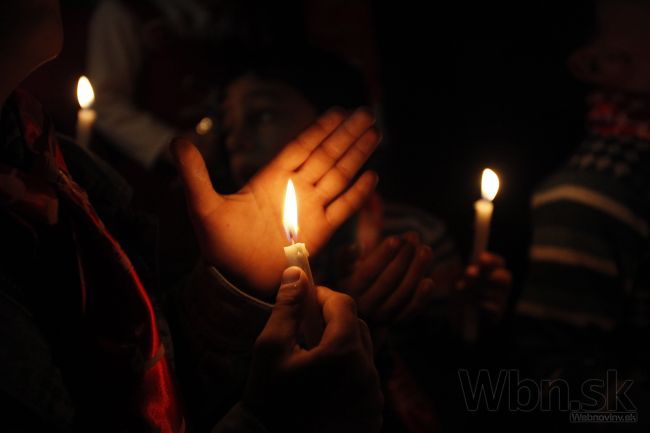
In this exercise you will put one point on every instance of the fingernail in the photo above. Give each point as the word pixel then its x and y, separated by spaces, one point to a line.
pixel 425 252
pixel 291 275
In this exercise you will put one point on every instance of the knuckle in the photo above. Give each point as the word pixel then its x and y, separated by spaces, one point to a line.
pixel 346 302
pixel 290 295
pixel 268 342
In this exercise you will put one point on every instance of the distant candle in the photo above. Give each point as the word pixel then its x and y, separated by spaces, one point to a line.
pixel 484 209
pixel 86 115
pixel 297 255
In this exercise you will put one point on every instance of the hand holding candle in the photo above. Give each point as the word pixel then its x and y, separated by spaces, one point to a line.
pixel 86 115
pixel 297 255
pixel 484 209
pixel 242 234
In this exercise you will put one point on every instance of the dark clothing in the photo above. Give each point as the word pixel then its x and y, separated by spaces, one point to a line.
pixel 83 346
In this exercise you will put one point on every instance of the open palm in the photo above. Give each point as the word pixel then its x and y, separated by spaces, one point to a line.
pixel 242 234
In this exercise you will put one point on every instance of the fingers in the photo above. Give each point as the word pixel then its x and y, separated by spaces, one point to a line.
pixel 351 201
pixel 328 153
pixel 387 280
pixel 364 331
pixel 399 298
pixel 339 176
pixel 499 283
pixel 281 330
pixel 371 266
pixel 201 196
pixel 489 282
pixel 490 268
pixel 300 149
pixel 424 294
pixel 341 333
pixel 488 261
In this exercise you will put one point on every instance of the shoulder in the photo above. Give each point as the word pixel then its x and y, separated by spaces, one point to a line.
pixel 104 185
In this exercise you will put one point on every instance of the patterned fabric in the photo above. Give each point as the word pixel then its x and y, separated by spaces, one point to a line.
pixel 38 190
pixel 590 252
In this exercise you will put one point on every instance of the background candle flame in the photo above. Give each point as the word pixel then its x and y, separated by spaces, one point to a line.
pixel 489 184
pixel 290 214
pixel 85 93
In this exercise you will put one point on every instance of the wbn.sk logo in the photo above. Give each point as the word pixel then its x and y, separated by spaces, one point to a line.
pixel 598 400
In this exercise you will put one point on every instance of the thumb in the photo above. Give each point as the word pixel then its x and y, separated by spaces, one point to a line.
pixel 287 312
pixel 201 196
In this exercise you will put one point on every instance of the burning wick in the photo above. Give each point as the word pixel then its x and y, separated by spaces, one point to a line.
pixel 484 209
pixel 86 115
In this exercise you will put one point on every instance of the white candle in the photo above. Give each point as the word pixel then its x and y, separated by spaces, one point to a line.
pixel 297 255
pixel 86 115
pixel 484 208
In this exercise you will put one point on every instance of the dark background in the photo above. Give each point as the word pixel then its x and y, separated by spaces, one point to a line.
pixel 460 86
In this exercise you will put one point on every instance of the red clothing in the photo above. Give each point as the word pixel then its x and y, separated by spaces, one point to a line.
pixel 116 311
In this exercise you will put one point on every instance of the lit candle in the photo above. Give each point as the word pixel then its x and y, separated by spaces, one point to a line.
pixel 86 116
pixel 484 208
pixel 297 255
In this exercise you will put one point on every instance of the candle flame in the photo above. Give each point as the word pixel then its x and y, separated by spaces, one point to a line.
pixel 290 215
pixel 489 184
pixel 85 93
pixel 204 126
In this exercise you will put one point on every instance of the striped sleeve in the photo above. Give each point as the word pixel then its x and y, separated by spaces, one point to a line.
pixel 589 233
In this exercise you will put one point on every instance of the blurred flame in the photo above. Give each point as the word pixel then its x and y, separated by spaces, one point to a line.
pixel 290 215
pixel 204 126
pixel 489 184
pixel 85 94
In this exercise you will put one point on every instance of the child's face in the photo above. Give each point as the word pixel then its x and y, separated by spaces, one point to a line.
pixel 259 118
pixel 622 47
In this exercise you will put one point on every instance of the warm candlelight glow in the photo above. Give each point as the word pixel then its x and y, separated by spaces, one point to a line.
pixel 204 126
pixel 85 94
pixel 489 184
pixel 290 215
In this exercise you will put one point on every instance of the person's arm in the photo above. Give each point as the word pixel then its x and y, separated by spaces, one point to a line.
pixel 114 60
pixel 588 238
pixel 216 325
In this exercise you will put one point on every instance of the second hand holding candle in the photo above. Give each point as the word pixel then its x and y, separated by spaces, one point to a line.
pixel 484 209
